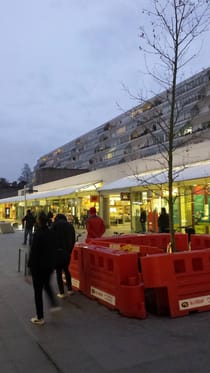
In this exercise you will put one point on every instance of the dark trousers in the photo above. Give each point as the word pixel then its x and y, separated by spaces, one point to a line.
pixel 28 232
pixel 143 227
pixel 60 268
pixel 41 281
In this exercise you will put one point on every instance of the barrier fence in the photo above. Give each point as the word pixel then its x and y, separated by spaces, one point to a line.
pixel 134 275
pixel 159 240
pixel 179 281
pixel 110 276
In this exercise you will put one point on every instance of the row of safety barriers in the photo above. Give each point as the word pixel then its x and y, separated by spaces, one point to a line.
pixel 134 274
pixel 159 240
pixel 110 276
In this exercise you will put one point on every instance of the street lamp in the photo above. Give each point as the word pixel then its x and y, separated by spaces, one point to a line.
pixel 27 189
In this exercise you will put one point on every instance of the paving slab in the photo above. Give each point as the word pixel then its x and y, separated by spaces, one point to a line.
pixel 85 336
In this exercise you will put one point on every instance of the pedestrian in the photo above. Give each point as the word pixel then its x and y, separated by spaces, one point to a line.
pixel 42 264
pixel 65 240
pixel 28 223
pixel 163 221
pixel 50 218
pixel 95 225
pixel 76 222
pixel 83 220
pixel 143 219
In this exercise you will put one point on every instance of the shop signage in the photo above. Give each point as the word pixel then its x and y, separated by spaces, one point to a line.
pixel 93 198
pixel 125 196
pixel 194 302
pixel 106 297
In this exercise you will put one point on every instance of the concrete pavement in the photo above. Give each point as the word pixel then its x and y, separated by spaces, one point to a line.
pixel 88 337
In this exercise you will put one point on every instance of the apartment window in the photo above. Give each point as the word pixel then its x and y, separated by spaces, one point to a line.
pixel 121 130
pixel 109 155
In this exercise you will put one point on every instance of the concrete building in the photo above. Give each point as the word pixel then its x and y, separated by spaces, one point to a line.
pixel 141 131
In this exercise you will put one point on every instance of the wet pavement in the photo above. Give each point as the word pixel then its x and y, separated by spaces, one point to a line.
pixel 85 336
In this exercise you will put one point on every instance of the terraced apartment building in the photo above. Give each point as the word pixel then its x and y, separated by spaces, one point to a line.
pixel 139 132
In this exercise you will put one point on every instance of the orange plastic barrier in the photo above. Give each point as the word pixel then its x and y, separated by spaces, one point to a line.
pixel 200 241
pixel 160 240
pixel 113 279
pixel 178 283
pixel 149 250
pixel 76 268
pixel 142 250
pixel 181 240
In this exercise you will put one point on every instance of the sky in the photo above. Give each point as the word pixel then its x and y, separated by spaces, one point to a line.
pixel 63 71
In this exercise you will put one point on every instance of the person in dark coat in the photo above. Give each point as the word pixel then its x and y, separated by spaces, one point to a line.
pixel 65 238
pixel 163 221
pixel 143 219
pixel 42 264
pixel 50 218
pixel 28 223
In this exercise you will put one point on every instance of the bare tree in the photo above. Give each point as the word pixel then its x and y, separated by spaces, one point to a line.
pixel 26 174
pixel 173 27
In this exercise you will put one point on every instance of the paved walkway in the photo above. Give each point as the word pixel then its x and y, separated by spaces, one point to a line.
pixel 88 337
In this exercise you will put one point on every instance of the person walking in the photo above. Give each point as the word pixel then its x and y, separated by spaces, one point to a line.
pixel 163 221
pixel 65 240
pixel 143 219
pixel 95 225
pixel 42 264
pixel 50 218
pixel 28 223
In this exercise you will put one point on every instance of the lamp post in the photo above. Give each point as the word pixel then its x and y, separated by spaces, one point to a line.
pixel 27 189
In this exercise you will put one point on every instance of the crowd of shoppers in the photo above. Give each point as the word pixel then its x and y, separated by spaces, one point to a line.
pixel 51 246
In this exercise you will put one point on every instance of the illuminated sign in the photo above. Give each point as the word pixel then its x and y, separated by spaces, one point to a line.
pixel 125 196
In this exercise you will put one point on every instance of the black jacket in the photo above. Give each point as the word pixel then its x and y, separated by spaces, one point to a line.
pixel 143 217
pixel 163 223
pixel 65 235
pixel 29 220
pixel 43 250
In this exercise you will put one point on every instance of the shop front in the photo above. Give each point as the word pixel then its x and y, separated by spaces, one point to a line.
pixel 201 208
pixel 120 202
pixel 151 200
pixel 124 207
pixel 119 210
pixel 115 209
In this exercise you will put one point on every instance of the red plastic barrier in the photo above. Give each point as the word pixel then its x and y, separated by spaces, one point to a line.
pixel 142 250
pixel 160 240
pixel 113 279
pixel 181 240
pixel 179 282
pixel 200 241
pixel 76 268
pixel 149 250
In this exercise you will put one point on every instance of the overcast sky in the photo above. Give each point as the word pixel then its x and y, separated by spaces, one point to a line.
pixel 63 63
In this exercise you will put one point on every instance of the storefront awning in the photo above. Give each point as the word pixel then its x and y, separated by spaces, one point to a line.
pixel 12 199
pixel 53 193
pixel 198 171
pixel 64 191
pixel 50 193
pixel 136 180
